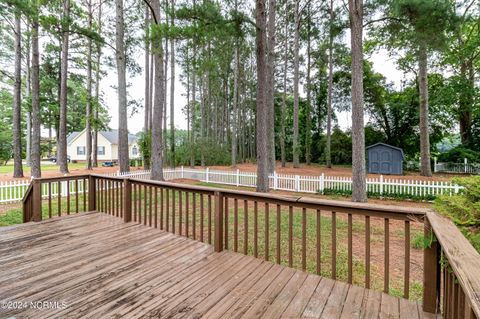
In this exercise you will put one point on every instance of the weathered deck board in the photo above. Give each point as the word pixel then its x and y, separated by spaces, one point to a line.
pixel 101 267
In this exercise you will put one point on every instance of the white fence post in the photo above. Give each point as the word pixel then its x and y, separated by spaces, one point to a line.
pixel 275 180
pixel 182 172
pixel 297 183
pixel 466 164
pixel 434 164
pixel 206 175
pixel 381 185
pixel 322 183
pixel 238 177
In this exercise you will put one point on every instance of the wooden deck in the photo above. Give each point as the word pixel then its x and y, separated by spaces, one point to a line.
pixel 94 265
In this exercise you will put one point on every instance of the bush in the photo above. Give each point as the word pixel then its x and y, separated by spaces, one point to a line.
pixel 458 154
pixel 464 208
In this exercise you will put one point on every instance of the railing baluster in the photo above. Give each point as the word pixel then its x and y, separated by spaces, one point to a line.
pixel 194 215
pixel 187 203
pixel 304 239
pixel 145 213
pixel 209 219
pixel 84 189
pixel 386 276
pixel 367 251
pixel 180 213
pixel 76 195
pixel 334 245
pixel 161 208
pixel 278 234
pixel 225 227
pixel 59 195
pixel 173 210
pixel 156 206
pixel 255 229
pixel 201 217
pixel 319 242
pixel 267 232
pixel 235 225
pixel 167 217
pixel 49 200
pixel 290 236
pixel 406 278
pixel 350 249
pixel 150 213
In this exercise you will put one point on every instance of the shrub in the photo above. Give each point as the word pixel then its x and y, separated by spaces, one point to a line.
pixel 458 154
pixel 464 208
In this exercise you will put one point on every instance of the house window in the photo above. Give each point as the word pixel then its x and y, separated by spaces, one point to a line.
pixel 134 151
pixel 101 150
pixel 80 150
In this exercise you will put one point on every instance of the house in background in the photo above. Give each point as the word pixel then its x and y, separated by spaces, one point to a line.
pixel 107 146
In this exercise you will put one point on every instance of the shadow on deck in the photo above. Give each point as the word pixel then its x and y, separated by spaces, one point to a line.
pixel 94 265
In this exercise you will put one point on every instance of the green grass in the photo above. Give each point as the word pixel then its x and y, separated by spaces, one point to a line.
pixel 7 169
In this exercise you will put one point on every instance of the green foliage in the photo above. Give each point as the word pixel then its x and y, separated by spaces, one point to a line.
pixel 464 208
pixel 145 145
pixel 458 154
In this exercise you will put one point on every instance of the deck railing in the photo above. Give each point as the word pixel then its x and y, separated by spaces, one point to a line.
pixel 334 239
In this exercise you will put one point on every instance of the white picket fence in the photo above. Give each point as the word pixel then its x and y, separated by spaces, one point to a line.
pixel 457 168
pixel 382 186
pixel 13 191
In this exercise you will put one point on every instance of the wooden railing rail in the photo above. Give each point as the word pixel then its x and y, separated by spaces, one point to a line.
pixel 331 238
pixel 454 277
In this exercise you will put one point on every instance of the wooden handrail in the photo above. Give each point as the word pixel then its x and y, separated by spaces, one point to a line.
pixel 463 260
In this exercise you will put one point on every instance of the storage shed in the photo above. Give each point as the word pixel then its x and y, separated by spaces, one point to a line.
pixel 385 159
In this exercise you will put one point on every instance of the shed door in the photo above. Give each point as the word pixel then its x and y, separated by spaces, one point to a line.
pixel 386 162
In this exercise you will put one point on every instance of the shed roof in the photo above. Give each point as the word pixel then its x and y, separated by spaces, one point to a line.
pixel 386 145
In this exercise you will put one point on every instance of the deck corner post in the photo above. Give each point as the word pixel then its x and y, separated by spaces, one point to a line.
pixel 92 193
pixel 37 200
pixel 431 271
pixel 127 200
pixel 218 243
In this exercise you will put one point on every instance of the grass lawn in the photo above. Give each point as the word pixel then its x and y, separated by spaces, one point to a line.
pixel 245 226
pixel 7 169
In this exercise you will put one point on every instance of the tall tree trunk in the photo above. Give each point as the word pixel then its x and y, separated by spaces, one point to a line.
pixel 17 101
pixel 270 100
pixel 165 80
pixel 284 100
pixel 328 152
pixel 194 104
pixel 36 119
pixel 123 155
pixel 262 107
pixel 27 96
pixel 235 102
pixel 296 58
pixel 172 90
pixel 425 169
pixel 97 89
pixel 62 134
pixel 146 124
pixel 308 119
pixel 158 102
pixel 88 115
pixel 359 193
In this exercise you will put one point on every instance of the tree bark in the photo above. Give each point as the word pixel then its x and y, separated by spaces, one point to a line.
pixel 88 115
pixel 425 169
pixel 359 193
pixel 296 53
pixel 235 103
pixel 262 107
pixel 158 102
pixel 284 100
pixel 308 119
pixel 328 152
pixel 123 156
pixel 172 90
pixel 62 134
pixel 36 171
pixel 270 100
pixel 97 90
pixel 27 96
pixel 146 123
pixel 17 101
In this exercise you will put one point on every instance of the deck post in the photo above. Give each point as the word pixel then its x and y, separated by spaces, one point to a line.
pixel 92 194
pixel 218 243
pixel 37 200
pixel 431 271
pixel 127 200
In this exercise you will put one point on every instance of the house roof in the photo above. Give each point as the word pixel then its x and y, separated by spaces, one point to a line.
pixel 386 145
pixel 111 136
